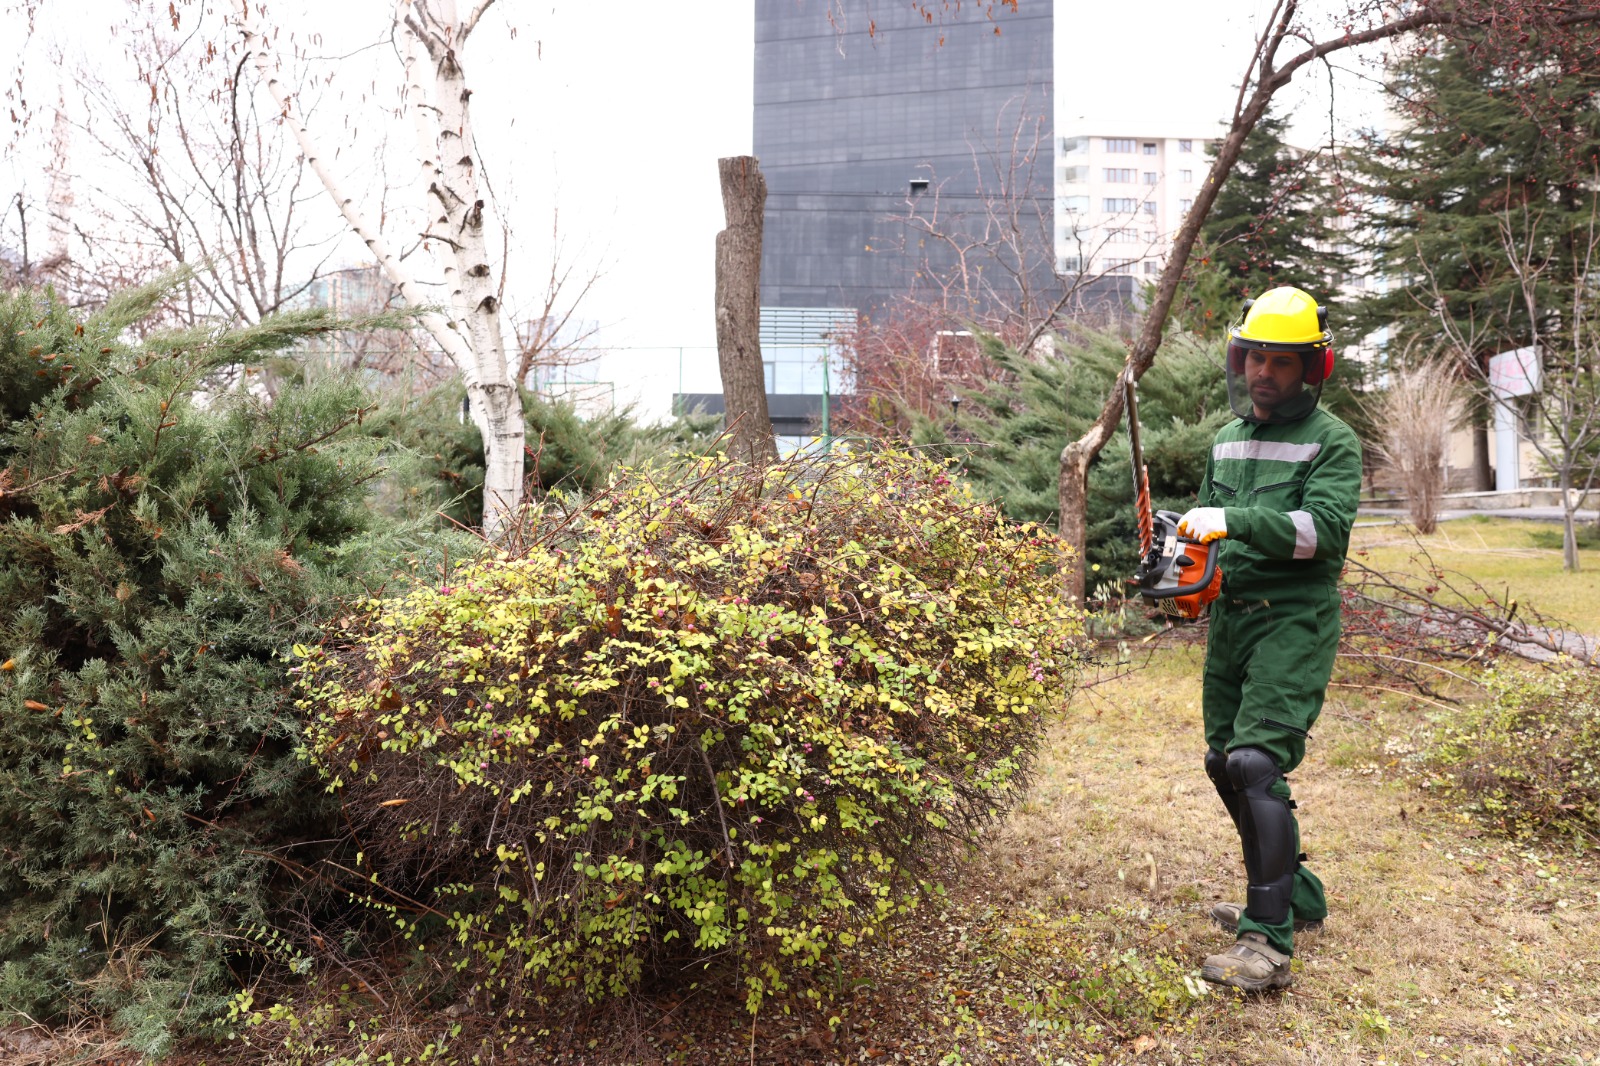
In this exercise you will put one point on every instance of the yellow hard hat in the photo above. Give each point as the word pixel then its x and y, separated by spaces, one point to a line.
pixel 1285 319
pixel 1285 315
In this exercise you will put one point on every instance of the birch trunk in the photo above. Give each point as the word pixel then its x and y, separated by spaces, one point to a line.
pixel 448 154
pixel 470 335
pixel 738 307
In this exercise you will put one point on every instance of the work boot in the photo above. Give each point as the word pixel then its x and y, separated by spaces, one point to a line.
pixel 1251 964
pixel 1227 916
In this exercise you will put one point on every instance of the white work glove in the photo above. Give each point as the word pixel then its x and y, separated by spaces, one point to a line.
pixel 1204 524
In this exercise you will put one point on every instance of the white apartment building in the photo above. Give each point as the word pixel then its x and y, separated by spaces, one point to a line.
pixel 1120 197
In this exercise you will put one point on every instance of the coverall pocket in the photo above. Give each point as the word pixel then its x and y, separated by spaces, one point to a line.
pixel 1282 496
pixel 1285 709
pixel 1276 719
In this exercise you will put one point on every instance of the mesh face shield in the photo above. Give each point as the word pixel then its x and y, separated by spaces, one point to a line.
pixel 1271 383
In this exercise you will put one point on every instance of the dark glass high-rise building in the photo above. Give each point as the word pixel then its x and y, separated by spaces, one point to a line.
pixel 861 124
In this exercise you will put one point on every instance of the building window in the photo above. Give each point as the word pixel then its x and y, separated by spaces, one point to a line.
pixel 919 186
pixel 1149 207
pixel 1123 233
pixel 1124 145
pixel 1070 145
pixel 1185 146
pixel 1119 266
pixel 1071 264
pixel 1119 174
pixel 1185 175
pixel 1151 267
pixel 1149 177
pixel 1149 148
pixel 1073 175
pixel 1184 205
pixel 1117 205
pixel 1071 205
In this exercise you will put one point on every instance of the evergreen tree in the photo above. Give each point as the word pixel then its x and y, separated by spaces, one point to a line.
pixel 1271 224
pixel 1484 152
pixel 161 547
pixel 1009 435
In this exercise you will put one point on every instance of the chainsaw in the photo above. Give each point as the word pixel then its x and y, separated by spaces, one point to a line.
pixel 1180 574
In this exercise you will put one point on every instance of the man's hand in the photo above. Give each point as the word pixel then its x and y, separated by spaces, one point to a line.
pixel 1204 524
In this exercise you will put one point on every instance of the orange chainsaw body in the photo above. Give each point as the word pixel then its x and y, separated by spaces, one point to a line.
pixel 1181 575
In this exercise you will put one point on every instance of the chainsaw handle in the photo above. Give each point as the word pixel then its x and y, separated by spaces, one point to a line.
pixel 1206 575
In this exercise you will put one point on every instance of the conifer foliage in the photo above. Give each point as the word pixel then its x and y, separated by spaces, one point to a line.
pixel 1010 432
pixel 1272 224
pixel 1487 179
pixel 158 552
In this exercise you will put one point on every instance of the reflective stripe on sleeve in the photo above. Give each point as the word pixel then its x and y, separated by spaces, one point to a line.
pixel 1266 449
pixel 1305 534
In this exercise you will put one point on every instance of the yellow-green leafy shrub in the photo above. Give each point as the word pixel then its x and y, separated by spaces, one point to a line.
pixel 718 710
pixel 1526 760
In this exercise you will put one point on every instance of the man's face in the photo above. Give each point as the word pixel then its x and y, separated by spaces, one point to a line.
pixel 1272 378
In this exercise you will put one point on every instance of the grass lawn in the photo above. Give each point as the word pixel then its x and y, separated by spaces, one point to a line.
pixel 1501 554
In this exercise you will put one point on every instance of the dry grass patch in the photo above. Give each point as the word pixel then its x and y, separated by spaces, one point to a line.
pixel 1443 945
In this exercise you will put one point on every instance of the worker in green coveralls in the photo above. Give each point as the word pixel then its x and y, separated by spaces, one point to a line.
pixel 1281 487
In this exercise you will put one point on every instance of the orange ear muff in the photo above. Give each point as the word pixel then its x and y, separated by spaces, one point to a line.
pixel 1318 367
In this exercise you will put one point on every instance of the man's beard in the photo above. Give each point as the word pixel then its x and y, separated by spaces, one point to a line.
pixel 1267 394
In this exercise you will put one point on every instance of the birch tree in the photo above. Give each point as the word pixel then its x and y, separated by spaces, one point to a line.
pixel 432 36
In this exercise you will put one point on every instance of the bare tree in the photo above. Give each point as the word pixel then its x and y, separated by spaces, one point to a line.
pixel 995 261
pixel 552 336
pixel 22 267
pixel 983 261
pixel 160 160
pixel 1564 346
pixel 1505 23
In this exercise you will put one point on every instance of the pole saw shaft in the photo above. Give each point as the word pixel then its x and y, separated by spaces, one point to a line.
pixel 1141 476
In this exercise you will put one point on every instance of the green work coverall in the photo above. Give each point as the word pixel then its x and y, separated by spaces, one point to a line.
pixel 1289 493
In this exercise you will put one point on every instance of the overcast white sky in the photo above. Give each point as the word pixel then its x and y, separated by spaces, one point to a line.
pixel 615 113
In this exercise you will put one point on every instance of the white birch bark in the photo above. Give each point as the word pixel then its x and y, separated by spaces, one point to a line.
pixel 470 334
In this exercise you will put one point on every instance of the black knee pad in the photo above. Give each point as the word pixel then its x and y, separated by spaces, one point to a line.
pixel 1266 828
pixel 1217 770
